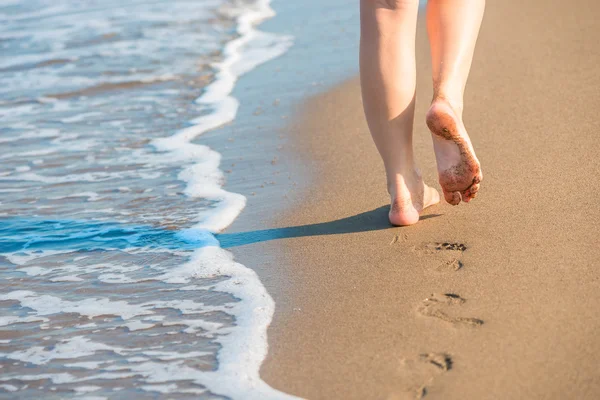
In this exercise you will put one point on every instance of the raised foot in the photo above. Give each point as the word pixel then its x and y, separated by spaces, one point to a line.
pixel 409 198
pixel 458 168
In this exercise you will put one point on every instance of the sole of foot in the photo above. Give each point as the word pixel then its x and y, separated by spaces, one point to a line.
pixel 409 200
pixel 458 167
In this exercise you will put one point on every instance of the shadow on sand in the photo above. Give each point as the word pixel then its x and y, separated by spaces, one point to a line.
pixel 373 220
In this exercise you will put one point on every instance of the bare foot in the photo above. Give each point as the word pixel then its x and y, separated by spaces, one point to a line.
pixel 409 197
pixel 458 168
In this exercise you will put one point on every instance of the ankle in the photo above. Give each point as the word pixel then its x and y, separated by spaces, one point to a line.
pixel 455 100
pixel 401 183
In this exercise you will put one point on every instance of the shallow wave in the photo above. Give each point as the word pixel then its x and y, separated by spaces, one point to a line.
pixel 112 278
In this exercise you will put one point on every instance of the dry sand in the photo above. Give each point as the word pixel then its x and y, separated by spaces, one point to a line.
pixel 508 307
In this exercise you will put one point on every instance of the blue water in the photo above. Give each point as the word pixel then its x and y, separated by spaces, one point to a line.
pixel 106 288
pixel 30 235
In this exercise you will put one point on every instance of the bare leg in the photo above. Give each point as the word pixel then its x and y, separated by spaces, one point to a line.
pixel 453 26
pixel 387 75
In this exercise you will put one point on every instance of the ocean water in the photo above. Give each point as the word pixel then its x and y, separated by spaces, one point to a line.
pixel 112 283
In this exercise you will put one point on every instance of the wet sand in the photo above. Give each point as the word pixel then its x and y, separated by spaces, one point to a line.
pixel 495 299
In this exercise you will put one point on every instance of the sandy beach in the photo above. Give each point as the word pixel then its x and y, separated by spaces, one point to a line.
pixel 495 299
pixel 188 189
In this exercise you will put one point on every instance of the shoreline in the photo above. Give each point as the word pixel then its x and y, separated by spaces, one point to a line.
pixel 256 165
pixel 365 310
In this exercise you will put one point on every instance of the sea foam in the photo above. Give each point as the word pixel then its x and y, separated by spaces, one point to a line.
pixel 102 291
pixel 244 348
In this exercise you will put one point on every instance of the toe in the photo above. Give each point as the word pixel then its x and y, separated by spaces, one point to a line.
pixel 470 193
pixel 452 197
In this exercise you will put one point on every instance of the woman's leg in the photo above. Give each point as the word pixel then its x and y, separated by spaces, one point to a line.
pixel 453 26
pixel 387 76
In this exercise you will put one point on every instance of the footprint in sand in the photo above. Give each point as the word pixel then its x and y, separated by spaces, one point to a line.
pixel 437 306
pixel 447 255
pixel 416 375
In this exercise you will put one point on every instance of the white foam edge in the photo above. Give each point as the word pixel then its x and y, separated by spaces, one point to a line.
pixel 244 349
pixel 204 179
